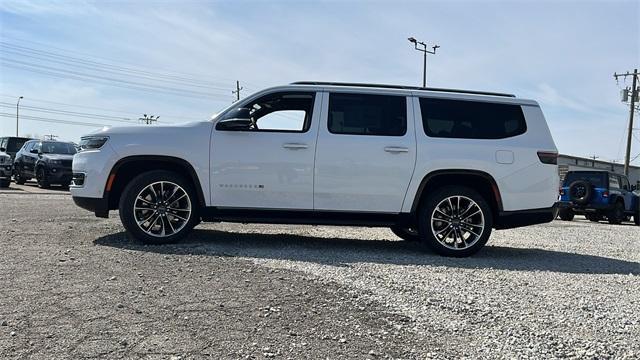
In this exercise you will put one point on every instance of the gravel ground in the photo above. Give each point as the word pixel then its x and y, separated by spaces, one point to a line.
pixel 74 286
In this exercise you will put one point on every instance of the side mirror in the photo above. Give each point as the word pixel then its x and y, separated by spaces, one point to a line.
pixel 34 151
pixel 234 124
pixel 238 119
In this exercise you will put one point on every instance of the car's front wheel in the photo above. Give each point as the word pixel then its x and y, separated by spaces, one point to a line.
pixel 41 177
pixel 159 207
pixel 18 176
pixel 455 221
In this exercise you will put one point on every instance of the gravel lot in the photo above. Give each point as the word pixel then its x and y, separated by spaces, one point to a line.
pixel 74 286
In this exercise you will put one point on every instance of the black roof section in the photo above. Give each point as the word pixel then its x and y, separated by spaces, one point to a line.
pixel 403 87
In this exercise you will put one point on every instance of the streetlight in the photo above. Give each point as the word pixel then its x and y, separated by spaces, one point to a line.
pixel 17 110
pixel 424 51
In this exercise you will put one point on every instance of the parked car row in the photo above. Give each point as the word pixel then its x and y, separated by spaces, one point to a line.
pixel 49 162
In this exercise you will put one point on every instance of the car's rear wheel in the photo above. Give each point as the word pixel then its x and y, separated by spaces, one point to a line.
pixel 616 214
pixel 41 177
pixel 455 221
pixel 406 233
pixel 594 217
pixel 159 207
pixel 566 214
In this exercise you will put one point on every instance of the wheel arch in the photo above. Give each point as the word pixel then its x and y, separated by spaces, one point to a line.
pixel 478 180
pixel 129 167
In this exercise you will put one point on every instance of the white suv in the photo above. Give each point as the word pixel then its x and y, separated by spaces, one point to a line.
pixel 438 166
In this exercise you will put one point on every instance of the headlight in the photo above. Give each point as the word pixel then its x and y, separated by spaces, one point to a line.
pixel 92 142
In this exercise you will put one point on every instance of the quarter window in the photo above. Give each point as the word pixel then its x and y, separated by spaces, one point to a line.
pixel 449 118
pixel 614 183
pixel 363 114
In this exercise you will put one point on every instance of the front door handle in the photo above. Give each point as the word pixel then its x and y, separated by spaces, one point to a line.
pixel 396 149
pixel 295 146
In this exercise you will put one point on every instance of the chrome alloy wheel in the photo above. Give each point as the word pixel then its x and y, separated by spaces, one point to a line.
pixel 457 222
pixel 162 209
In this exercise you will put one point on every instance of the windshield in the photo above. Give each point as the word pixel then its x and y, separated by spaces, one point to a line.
pixel 597 179
pixel 58 148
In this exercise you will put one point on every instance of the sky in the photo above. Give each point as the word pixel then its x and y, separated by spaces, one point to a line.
pixel 110 62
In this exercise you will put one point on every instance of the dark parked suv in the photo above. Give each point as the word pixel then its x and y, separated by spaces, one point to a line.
pixel 48 161
pixel 598 195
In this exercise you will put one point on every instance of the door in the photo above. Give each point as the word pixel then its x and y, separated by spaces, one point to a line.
pixel 30 159
pixel 626 193
pixel 365 154
pixel 270 164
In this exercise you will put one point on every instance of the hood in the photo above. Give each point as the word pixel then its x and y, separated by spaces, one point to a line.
pixel 57 156
pixel 149 129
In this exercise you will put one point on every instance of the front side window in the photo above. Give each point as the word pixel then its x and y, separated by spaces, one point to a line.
pixel 285 112
pixel 447 118
pixel 364 114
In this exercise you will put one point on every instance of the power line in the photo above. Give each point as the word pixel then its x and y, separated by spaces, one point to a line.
pixel 50 120
pixel 127 73
pixel 147 90
pixel 69 113
pixel 191 78
pixel 153 87
pixel 97 108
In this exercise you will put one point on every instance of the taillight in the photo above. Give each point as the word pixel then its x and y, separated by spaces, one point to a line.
pixel 561 191
pixel 605 194
pixel 548 157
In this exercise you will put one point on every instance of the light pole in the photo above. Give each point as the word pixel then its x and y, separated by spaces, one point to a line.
pixel 17 110
pixel 425 52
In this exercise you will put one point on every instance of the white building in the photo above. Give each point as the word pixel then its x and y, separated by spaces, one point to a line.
pixel 568 162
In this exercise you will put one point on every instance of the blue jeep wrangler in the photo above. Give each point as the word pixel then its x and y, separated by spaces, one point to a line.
pixel 598 195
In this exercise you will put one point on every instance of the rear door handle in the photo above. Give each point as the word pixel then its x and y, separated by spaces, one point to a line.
pixel 396 149
pixel 295 146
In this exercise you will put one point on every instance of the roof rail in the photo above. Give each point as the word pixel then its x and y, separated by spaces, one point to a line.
pixel 403 87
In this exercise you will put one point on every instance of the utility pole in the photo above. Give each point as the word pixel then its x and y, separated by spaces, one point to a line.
pixel 634 97
pixel 17 110
pixel 237 90
pixel 149 119
pixel 424 52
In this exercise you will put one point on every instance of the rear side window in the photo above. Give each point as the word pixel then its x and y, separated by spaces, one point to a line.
pixel 597 179
pixel 364 114
pixel 15 144
pixel 448 118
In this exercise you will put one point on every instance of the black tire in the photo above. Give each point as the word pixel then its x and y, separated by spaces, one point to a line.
pixel 594 217
pixel 636 217
pixel 141 182
pixel 407 234
pixel 616 214
pixel 41 177
pixel 4 183
pixel 18 177
pixel 426 223
pixel 566 214
pixel 580 192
